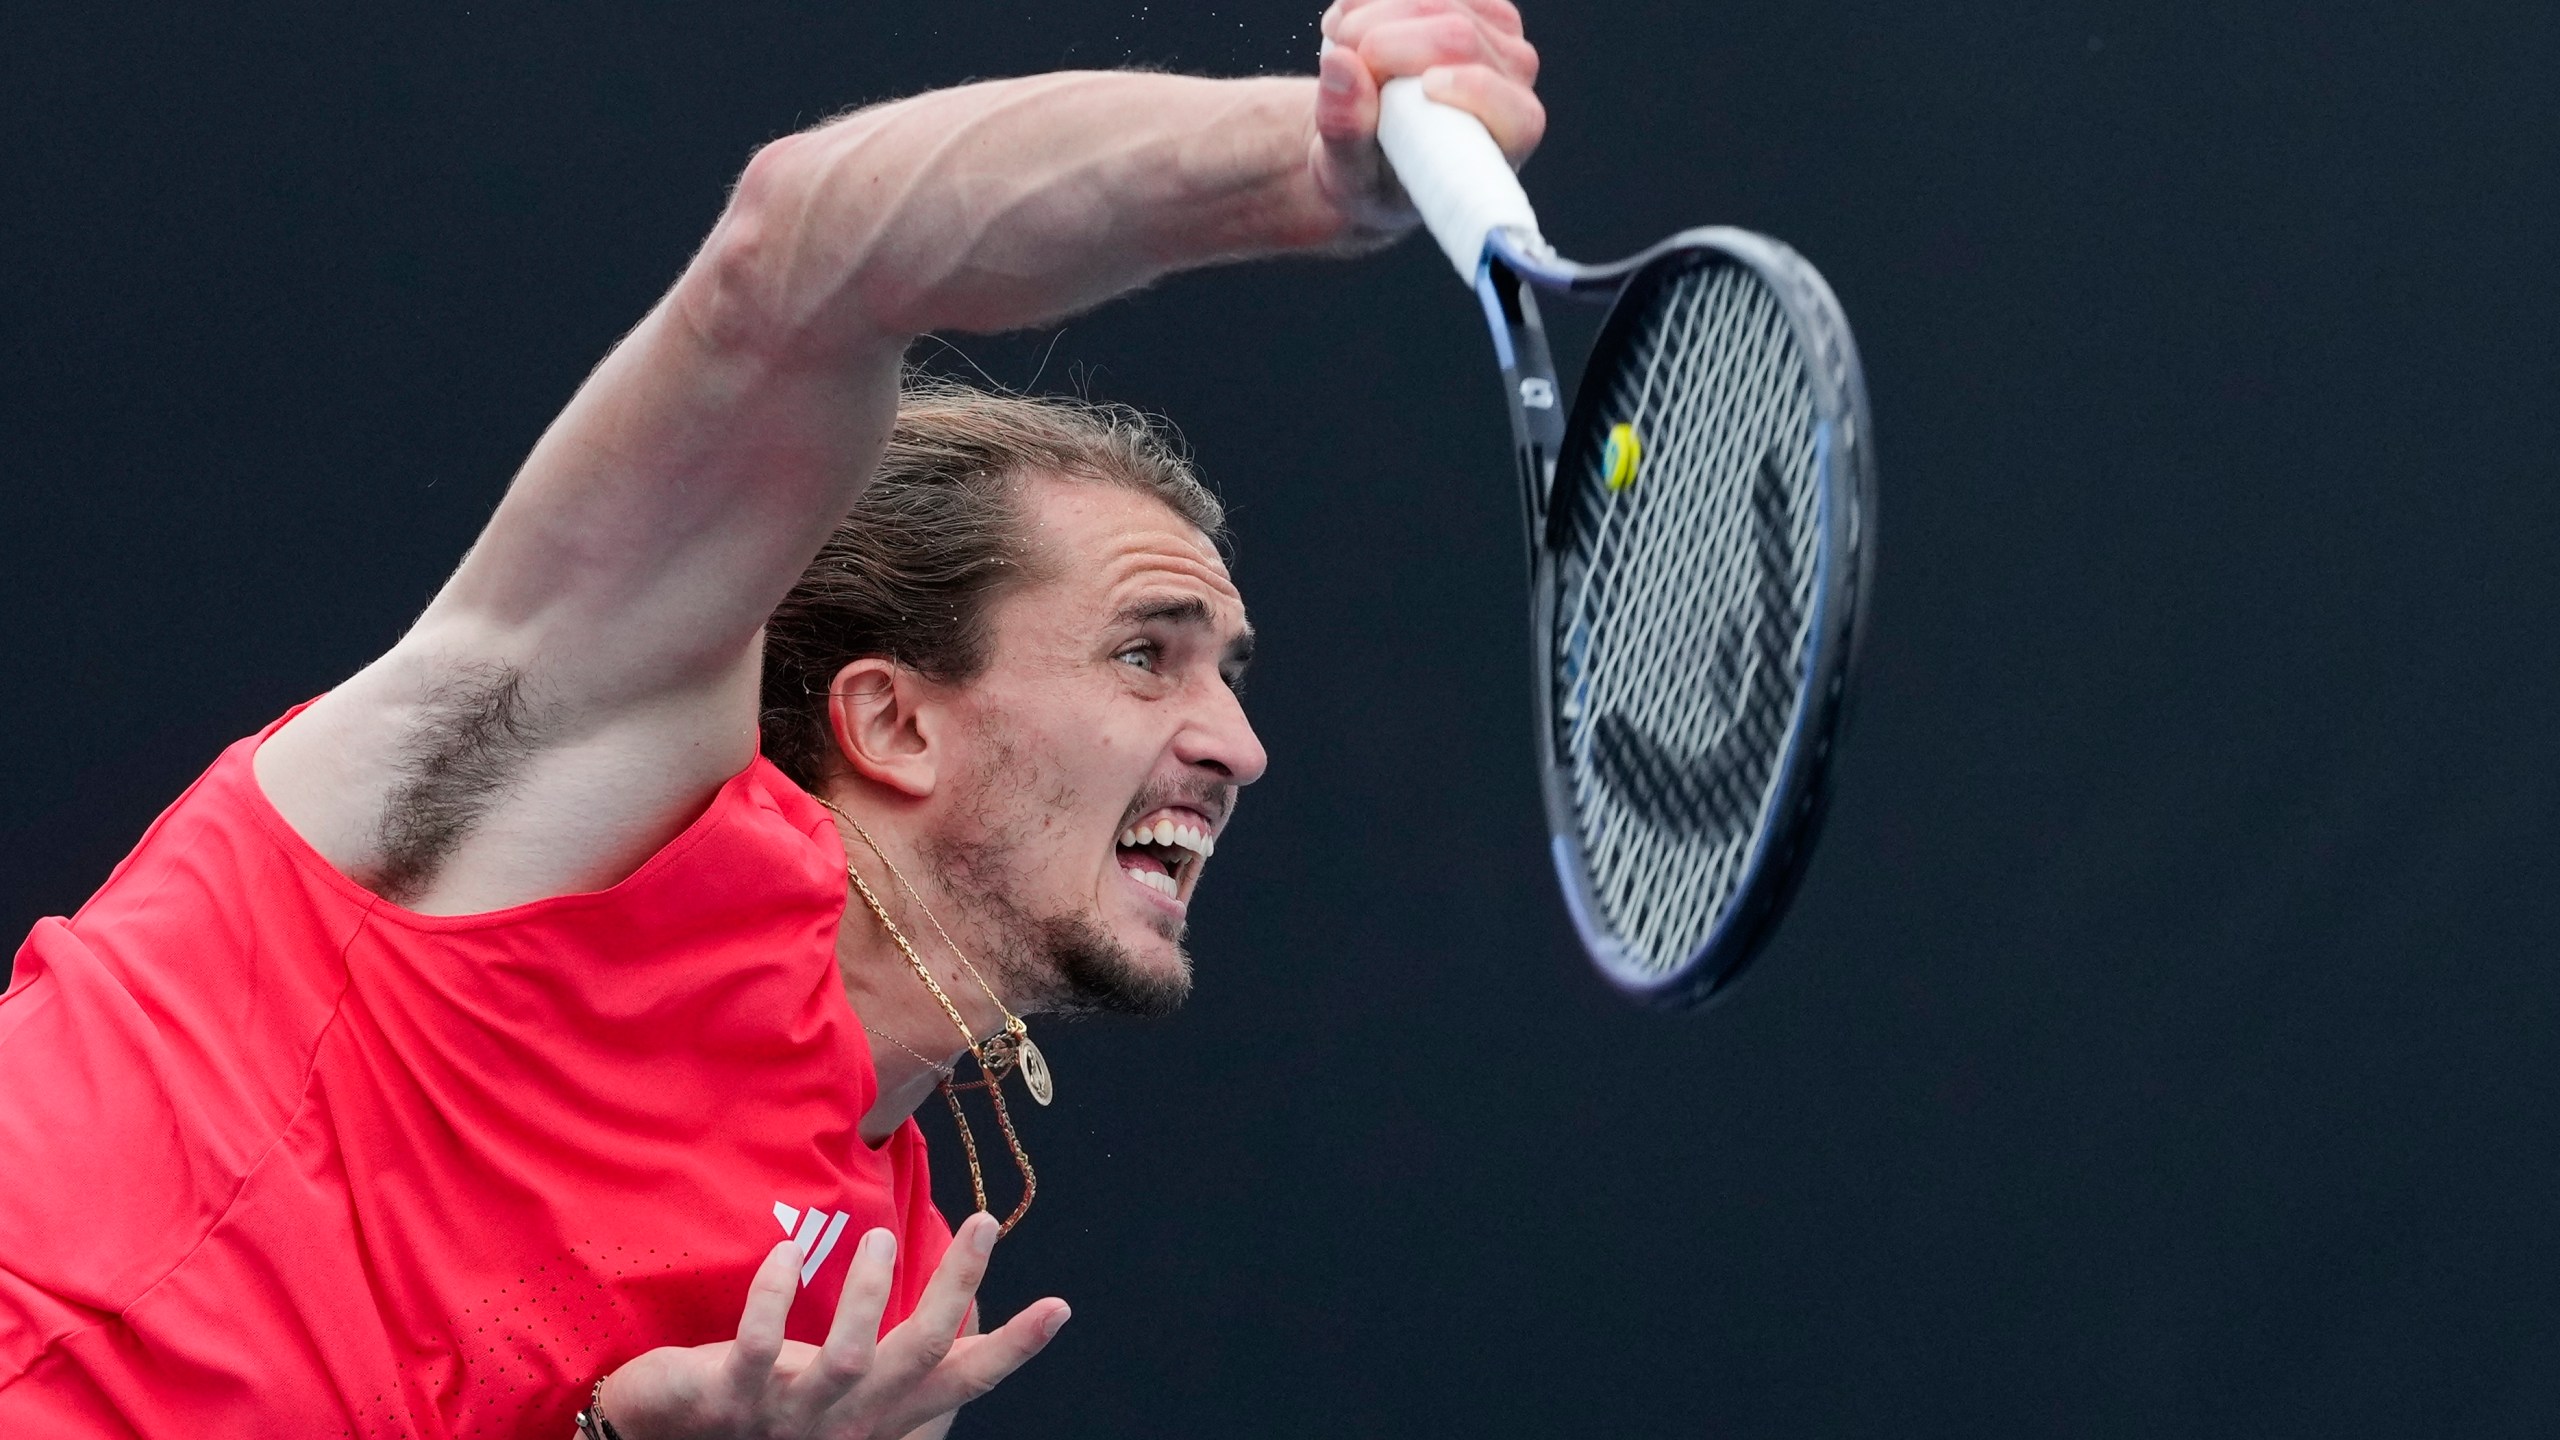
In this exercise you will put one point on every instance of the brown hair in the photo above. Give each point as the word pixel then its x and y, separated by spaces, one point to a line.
pixel 939 534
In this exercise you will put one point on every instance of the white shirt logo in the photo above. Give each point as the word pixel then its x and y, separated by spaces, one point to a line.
pixel 813 1233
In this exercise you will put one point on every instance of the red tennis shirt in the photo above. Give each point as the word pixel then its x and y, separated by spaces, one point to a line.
pixel 278 1157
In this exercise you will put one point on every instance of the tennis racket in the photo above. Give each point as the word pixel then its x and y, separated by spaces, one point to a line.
pixel 1701 527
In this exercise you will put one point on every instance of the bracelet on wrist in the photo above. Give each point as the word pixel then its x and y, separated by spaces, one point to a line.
pixel 591 1422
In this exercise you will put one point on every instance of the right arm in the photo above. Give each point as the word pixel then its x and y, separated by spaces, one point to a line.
pixel 587 678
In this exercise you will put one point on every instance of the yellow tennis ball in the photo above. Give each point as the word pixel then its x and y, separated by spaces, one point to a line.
pixel 1618 459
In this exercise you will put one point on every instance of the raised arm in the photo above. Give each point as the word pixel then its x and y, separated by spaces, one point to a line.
pixel 588 676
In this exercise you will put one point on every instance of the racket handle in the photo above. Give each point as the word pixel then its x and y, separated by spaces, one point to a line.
pixel 1453 171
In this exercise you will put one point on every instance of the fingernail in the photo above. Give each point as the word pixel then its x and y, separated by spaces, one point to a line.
pixel 984 1242
pixel 1333 75
pixel 1055 1323
pixel 874 1241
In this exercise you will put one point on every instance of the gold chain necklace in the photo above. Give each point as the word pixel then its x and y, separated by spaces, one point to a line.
pixel 938 1067
pixel 995 1055
pixel 1012 1048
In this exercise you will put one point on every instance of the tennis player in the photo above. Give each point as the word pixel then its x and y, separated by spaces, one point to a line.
pixel 529 1028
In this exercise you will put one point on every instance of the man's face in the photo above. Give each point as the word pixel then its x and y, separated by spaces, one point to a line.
pixel 1099 753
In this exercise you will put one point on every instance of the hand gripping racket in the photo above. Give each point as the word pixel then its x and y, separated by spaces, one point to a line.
pixel 1701 533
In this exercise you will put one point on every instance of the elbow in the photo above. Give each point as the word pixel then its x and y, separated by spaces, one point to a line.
pixel 775 279
pixel 735 296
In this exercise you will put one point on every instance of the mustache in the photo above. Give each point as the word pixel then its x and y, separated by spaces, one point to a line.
pixel 1213 798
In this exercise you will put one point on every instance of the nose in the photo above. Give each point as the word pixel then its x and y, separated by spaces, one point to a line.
pixel 1219 739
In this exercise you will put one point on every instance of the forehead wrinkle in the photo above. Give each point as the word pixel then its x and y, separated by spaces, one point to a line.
pixel 1129 567
pixel 1115 546
pixel 1150 584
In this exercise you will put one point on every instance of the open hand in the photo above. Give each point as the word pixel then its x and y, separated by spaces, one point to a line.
pixel 1469 53
pixel 860 1385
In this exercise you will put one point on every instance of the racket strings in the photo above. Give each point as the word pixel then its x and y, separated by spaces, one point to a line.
pixel 1748 672
pixel 1685 607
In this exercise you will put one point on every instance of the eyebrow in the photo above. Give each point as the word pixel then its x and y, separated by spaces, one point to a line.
pixel 1169 610
pixel 1185 610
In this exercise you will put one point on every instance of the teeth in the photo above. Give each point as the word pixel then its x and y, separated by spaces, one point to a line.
pixel 1168 832
pixel 1155 880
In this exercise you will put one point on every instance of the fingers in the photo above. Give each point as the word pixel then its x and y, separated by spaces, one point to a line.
pixel 911 1351
pixel 920 1341
pixel 853 1336
pixel 979 1363
pixel 1469 53
pixel 924 1369
pixel 1412 45
pixel 1511 111
pixel 760 1326
pixel 1353 15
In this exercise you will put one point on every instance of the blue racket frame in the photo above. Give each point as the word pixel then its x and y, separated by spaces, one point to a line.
pixel 1546 434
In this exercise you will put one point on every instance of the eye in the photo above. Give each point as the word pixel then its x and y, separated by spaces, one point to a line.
pixel 1142 655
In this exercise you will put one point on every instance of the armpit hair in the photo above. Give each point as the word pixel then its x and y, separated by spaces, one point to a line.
pixel 469 743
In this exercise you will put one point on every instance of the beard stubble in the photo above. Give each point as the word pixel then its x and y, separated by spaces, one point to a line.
pixel 1063 964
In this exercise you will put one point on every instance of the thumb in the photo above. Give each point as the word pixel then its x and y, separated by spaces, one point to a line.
pixel 1346 101
pixel 1350 170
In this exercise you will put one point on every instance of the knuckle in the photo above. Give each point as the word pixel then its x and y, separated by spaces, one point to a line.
pixel 967 1267
pixel 1456 30
pixel 1412 42
pixel 961 1275
pixel 1478 85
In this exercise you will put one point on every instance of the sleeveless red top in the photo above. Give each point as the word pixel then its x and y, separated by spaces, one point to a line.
pixel 278 1157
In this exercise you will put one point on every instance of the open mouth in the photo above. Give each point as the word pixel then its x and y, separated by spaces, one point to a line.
pixel 1165 850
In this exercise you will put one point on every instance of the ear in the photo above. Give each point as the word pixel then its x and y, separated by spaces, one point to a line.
pixel 885 724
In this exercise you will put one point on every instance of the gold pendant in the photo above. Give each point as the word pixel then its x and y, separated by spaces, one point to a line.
pixel 1035 1070
pixel 996 1055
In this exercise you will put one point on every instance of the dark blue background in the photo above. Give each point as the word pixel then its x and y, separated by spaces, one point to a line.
pixel 2163 1043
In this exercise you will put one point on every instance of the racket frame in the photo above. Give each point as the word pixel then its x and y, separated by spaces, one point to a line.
pixel 1514 266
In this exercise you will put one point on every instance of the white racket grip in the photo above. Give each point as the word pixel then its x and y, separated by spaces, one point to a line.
pixel 1453 172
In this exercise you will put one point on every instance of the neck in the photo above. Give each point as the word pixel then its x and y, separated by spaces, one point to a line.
pixel 888 994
